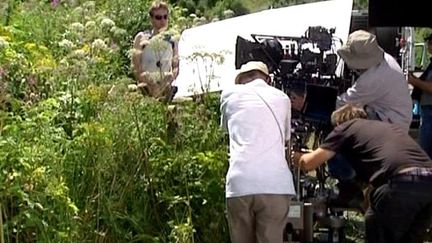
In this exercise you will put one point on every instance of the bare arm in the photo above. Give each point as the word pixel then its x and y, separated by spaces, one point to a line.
pixel 314 159
pixel 138 45
pixel 423 85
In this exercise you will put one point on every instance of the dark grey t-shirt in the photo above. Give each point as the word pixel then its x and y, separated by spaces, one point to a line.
pixel 376 150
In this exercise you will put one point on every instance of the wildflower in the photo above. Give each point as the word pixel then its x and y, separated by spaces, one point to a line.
pixel 118 32
pixel 79 54
pixel 99 44
pixel 30 46
pixel 89 5
pixel 63 62
pixel 78 11
pixel 77 27
pixel 31 80
pixel 114 47
pixel 90 25
pixel 54 3
pixel 3 43
pixel 228 14
pixel 66 44
pixel 86 48
pixel 107 23
pixel 2 74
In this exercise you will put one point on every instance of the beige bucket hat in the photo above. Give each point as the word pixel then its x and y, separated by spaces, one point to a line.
pixel 252 65
pixel 361 50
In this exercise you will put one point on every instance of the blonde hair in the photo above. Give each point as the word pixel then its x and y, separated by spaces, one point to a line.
pixel 158 5
pixel 346 113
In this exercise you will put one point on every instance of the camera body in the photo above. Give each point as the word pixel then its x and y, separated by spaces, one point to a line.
pixel 294 61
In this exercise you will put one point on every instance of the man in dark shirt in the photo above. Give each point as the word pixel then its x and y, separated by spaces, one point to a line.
pixel 398 171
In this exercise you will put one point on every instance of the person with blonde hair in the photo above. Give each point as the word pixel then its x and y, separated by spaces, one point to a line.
pixel 397 170
pixel 346 113
pixel 155 54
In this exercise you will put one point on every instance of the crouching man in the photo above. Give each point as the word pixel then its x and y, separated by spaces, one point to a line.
pixel 398 171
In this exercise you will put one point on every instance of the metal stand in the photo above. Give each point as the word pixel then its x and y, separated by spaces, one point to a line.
pixel 310 218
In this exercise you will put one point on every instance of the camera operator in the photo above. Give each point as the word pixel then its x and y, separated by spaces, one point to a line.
pixel 381 87
pixel 398 171
pixel 259 184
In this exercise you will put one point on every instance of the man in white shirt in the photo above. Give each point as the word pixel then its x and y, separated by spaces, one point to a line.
pixel 259 184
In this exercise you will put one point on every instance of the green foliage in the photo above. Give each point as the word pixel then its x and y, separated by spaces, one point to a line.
pixel 420 35
pixel 33 192
pixel 82 159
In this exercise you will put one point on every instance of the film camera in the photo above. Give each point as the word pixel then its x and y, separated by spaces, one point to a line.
pixel 294 61
pixel 305 65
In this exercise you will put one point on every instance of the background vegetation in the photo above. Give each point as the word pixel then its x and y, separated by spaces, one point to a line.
pixel 83 159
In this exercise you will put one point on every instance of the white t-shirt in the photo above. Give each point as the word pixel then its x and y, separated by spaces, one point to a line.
pixel 257 144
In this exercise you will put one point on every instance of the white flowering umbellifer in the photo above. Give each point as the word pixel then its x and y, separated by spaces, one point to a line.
pixel 118 32
pixel 89 5
pixel 228 14
pixel 79 54
pixel 3 43
pixel 66 44
pixel 77 27
pixel 90 25
pixel 98 44
pixel 107 23
pixel 78 11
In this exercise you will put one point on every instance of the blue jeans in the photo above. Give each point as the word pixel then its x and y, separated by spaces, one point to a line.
pixel 425 134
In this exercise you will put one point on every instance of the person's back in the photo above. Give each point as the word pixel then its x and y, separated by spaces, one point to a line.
pixel 398 171
pixel 381 87
pixel 389 89
pixel 378 150
pixel 259 184
pixel 257 159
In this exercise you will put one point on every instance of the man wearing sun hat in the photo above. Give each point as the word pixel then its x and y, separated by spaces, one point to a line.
pixel 423 85
pixel 381 87
pixel 259 184
pixel 382 90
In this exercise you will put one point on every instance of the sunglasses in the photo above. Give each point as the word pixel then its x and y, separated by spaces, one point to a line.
pixel 160 17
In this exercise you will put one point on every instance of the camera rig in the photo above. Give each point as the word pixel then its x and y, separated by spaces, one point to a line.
pixel 306 66
pixel 295 61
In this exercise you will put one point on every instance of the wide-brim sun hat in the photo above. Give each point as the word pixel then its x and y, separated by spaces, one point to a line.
pixel 250 66
pixel 361 51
